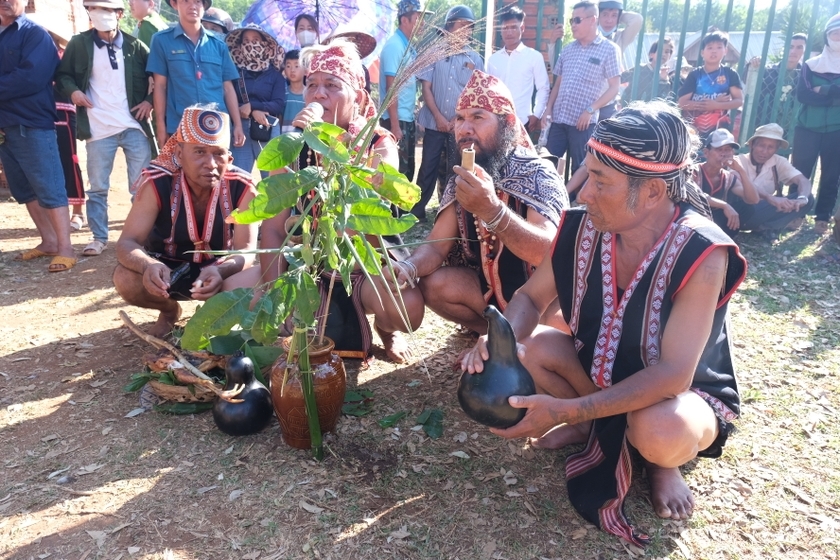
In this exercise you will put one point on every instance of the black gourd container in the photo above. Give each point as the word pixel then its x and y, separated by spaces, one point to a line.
pixel 251 415
pixel 484 396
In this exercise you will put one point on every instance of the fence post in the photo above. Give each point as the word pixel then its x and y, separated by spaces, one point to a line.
pixel 681 50
pixel 728 18
pixel 640 45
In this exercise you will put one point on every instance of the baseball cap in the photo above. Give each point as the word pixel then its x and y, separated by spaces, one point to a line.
pixel 721 137
pixel 410 6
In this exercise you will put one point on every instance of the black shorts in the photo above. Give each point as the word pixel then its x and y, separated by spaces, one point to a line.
pixel 182 276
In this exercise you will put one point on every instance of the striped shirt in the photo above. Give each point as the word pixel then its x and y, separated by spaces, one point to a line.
pixel 584 71
pixel 448 78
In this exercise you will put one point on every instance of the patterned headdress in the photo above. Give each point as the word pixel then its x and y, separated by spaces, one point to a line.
pixel 199 125
pixel 341 59
pixel 487 92
pixel 650 141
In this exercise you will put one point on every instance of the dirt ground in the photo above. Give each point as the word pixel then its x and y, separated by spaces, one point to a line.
pixel 82 478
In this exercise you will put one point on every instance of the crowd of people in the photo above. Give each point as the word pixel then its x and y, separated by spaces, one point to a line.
pixel 606 299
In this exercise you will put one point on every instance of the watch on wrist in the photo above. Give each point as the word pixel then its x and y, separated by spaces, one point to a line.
pixel 590 110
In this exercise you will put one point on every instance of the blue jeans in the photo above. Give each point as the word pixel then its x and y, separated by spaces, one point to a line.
pixel 564 138
pixel 245 156
pixel 32 166
pixel 100 163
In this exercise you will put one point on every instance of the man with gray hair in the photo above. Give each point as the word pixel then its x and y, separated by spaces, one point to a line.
pixel 642 277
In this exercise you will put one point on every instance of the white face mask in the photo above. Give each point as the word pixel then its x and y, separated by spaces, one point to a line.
pixel 834 45
pixel 103 21
pixel 306 38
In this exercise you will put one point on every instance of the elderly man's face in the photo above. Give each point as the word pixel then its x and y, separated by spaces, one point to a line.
pixel 478 128
pixel 609 199
pixel 11 9
pixel 338 100
pixel 203 165
pixel 762 149
pixel 720 157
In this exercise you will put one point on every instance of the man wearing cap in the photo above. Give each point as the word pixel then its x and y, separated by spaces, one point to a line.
pixel 611 14
pixel 28 145
pixel 504 213
pixel 442 83
pixel 770 172
pixel 181 207
pixel 103 72
pixel 588 74
pixel 149 21
pixel 191 65
pixel 522 69
pixel 643 278
pixel 721 177
pixel 397 54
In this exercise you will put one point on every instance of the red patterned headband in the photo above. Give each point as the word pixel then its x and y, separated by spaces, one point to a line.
pixel 630 160
pixel 334 60
pixel 487 92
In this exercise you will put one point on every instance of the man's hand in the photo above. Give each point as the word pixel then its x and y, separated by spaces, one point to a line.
pixel 733 221
pixel 405 276
pixel 755 62
pixel 245 111
pixel 142 110
pixel 238 136
pixel 475 191
pixel 261 117
pixel 557 32
pixel 783 204
pixel 208 283
pixel 79 99
pixel 396 131
pixel 442 124
pixel 533 123
pixel 544 412
pixel 156 279
pixel 583 121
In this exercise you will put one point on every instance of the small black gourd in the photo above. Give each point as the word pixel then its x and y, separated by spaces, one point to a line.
pixel 484 396
pixel 251 415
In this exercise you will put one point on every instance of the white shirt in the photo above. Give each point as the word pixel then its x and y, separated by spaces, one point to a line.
pixel 110 113
pixel 522 71
pixel 765 181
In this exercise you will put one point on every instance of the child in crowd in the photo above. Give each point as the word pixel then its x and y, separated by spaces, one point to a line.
pixel 711 90
pixel 294 92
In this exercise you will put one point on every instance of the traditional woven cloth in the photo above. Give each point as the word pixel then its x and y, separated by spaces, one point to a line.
pixel 341 59
pixel 197 126
pixel 650 141
pixel 487 92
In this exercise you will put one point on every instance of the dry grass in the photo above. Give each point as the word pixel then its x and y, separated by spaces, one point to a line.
pixel 80 480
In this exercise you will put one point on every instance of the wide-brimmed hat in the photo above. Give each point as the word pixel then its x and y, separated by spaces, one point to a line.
pixel 234 38
pixel 111 4
pixel 772 131
pixel 721 137
pixel 365 43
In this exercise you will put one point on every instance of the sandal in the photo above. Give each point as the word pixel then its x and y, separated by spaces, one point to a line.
pixel 77 222
pixel 30 254
pixel 60 263
pixel 821 226
pixel 94 248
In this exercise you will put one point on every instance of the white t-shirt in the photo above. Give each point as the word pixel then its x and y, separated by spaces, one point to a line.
pixel 522 71
pixel 110 113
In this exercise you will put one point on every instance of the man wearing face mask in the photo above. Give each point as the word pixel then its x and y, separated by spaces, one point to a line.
pixel 103 72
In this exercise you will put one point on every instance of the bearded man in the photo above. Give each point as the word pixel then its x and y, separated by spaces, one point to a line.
pixel 504 212
pixel 183 201
pixel 643 278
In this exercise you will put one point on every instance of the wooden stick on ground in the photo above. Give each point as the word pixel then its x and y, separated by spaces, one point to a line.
pixel 158 343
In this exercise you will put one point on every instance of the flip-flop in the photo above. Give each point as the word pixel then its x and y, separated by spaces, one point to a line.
pixel 30 254
pixel 66 263
pixel 77 222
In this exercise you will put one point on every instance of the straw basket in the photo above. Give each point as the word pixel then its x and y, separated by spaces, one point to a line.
pixel 181 393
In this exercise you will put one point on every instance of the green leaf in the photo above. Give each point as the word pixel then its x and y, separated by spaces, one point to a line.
pixel 307 298
pixel 259 359
pixel 373 217
pixel 326 233
pixel 183 408
pixel 264 328
pixel 389 183
pixel 216 317
pixel 389 421
pixel 358 403
pixel 226 344
pixel 167 378
pixel 370 258
pixel 323 138
pixel 280 151
pixel 278 192
pixel 137 382
pixel 432 421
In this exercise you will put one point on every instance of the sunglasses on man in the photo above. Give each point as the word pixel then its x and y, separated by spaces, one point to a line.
pixel 578 20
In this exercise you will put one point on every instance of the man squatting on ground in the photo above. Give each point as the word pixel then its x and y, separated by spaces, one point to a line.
pixel 511 202
pixel 643 279
pixel 182 203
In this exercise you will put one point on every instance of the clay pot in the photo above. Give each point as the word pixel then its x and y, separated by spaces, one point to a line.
pixel 330 383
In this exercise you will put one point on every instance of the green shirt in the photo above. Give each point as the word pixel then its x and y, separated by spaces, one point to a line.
pixel 150 25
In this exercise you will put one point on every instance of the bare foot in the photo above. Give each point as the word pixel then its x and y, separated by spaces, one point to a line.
pixel 669 493
pixel 165 323
pixel 563 435
pixel 395 345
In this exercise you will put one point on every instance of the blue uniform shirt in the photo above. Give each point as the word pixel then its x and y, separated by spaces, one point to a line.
pixel 389 64
pixel 194 73
pixel 28 60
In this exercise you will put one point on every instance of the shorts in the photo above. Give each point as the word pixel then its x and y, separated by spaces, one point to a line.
pixel 182 276
pixel 33 167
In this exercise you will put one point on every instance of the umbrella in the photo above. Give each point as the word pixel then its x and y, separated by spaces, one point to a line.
pixel 374 17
